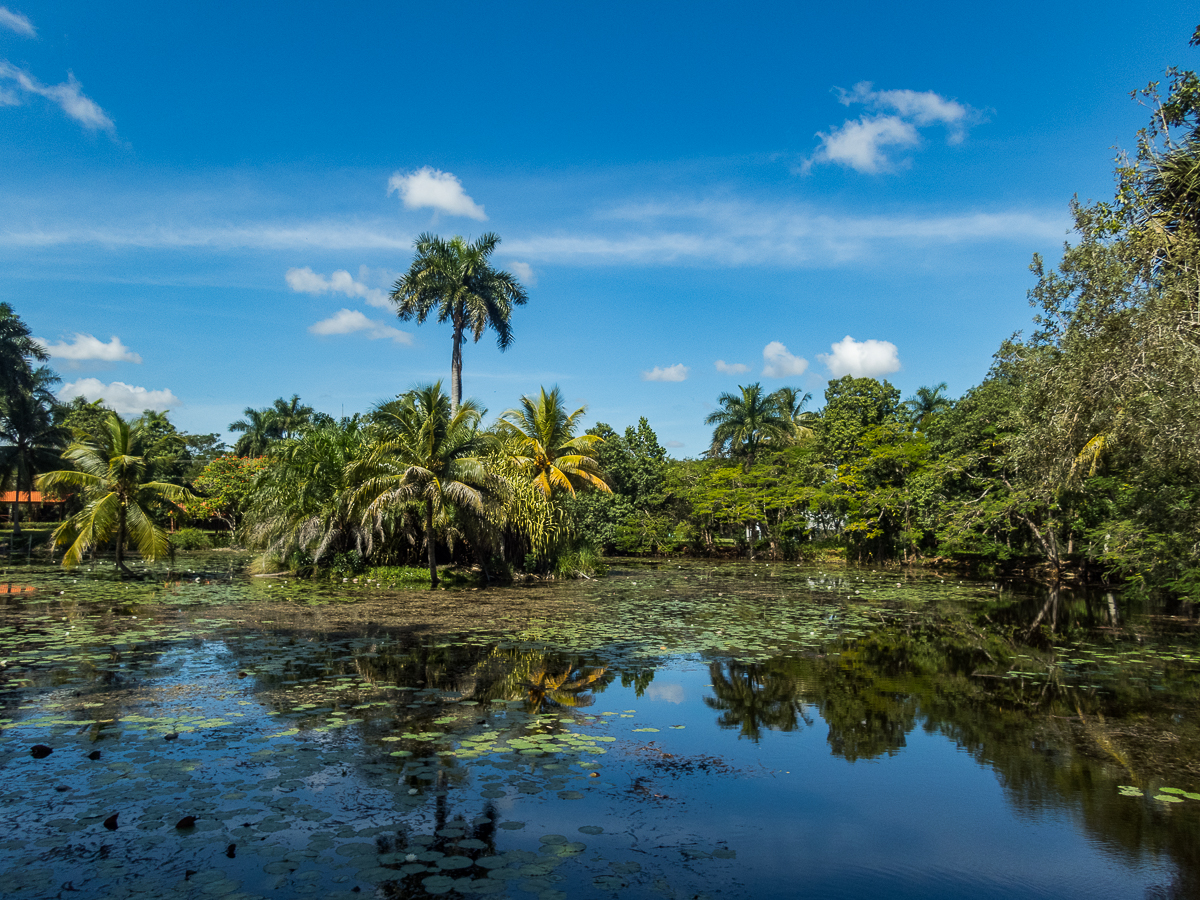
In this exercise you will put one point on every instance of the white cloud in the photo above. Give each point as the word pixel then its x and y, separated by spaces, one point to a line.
pixel 860 143
pixel 524 271
pixel 862 359
pixel 67 95
pixel 779 363
pixel 674 445
pixel 731 368
pixel 86 346
pixel 677 372
pixel 15 21
pixel 349 321
pixel 124 398
pixel 306 281
pixel 432 188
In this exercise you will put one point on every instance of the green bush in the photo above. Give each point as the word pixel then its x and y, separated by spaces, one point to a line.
pixel 191 539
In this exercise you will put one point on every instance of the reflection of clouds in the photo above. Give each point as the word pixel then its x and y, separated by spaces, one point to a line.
pixel 671 693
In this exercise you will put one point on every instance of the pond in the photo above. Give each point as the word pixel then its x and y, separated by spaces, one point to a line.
pixel 675 730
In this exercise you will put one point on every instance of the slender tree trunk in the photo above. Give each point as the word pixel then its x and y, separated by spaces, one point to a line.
pixel 456 370
pixel 121 542
pixel 433 579
pixel 16 515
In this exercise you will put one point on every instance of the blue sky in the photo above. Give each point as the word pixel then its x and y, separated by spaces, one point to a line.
pixel 204 205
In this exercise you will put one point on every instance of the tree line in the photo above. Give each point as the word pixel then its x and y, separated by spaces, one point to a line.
pixel 1076 454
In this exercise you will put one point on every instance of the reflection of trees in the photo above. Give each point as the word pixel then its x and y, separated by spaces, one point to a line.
pixel 1053 743
pixel 753 697
pixel 540 679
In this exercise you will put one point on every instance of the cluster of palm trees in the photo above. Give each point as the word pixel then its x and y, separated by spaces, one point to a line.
pixel 418 470
pixel 282 420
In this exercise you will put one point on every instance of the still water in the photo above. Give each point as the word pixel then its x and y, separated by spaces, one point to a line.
pixel 675 730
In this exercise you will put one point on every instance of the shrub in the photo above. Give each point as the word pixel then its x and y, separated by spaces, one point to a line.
pixel 191 539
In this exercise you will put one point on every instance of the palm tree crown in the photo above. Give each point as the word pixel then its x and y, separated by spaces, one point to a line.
pixel 747 422
pixel 109 472
pixel 547 448
pixel 927 403
pixel 455 280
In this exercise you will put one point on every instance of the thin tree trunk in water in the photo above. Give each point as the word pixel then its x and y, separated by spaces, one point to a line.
pixel 433 581
pixel 456 370
pixel 121 543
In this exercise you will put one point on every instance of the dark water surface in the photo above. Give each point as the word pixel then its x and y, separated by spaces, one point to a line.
pixel 675 730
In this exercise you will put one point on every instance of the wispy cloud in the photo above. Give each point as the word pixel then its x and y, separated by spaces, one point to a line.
pixel 306 281
pixel 125 398
pixel 779 363
pixel 68 95
pixel 351 321
pixel 862 144
pixel 731 368
pixel 675 232
pixel 433 189
pixel 677 372
pixel 88 347
pixel 862 359
pixel 524 271
pixel 18 22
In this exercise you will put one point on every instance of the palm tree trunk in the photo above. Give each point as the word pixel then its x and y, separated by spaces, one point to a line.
pixel 16 514
pixel 456 370
pixel 121 567
pixel 433 580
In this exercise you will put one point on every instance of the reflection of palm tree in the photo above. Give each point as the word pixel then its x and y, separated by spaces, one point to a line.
pixel 540 679
pixel 753 697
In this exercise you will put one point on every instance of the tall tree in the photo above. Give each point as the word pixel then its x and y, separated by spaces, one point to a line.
pixel 18 352
pixel 291 416
pixel 546 447
pixel 110 472
pixel 791 402
pixel 428 455
pixel 258 429
pixel 746 423
pixel 455 280
pixel 30 439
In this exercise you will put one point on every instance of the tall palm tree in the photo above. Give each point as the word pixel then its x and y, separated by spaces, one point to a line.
pixel 746 423
pixel 17 350
pixel 108 474
pixel 927 403
pixel 791 402
pixel 547 448
pixel 291 416
pixel 455 279
pixel 425 454
pixel 259 428
pixel 30 440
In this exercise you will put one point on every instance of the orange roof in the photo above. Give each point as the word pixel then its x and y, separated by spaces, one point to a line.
pixel 26 497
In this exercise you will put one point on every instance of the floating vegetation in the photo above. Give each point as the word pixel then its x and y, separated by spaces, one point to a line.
pixel 220 736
